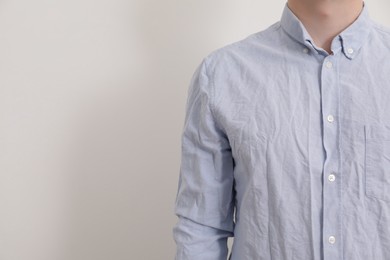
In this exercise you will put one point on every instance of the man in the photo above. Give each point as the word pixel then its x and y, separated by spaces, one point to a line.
pixel 286 142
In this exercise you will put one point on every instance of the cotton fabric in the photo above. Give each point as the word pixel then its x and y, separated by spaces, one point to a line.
pixel 286 148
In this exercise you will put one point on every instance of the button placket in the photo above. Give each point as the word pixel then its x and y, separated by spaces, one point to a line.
pixel 331 189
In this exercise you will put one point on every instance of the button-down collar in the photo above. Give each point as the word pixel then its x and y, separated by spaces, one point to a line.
pixel 351 38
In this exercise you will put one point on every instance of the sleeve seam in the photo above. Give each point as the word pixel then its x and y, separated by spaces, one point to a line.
pixel 212 98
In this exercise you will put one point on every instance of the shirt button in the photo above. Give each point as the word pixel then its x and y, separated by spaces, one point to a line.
pixel 306 50
pixel 330 118
pixel 332 239
pixel 350 50
pixel 331 177
pixel 329 64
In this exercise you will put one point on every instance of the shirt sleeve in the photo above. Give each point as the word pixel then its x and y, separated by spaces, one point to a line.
pixel 205 197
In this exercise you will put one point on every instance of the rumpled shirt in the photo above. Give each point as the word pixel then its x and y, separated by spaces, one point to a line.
pixel 286 148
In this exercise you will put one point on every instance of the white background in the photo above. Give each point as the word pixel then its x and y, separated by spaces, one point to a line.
pixel 92 97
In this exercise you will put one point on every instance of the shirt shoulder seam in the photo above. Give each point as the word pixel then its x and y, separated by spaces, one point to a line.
pixel 381 28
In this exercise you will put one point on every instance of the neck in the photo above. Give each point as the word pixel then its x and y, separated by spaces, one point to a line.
pixel 325 19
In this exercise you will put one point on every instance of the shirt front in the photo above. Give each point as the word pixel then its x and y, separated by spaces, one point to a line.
pixel 286 148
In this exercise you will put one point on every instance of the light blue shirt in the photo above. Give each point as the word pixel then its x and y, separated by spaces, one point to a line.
pixel 286 148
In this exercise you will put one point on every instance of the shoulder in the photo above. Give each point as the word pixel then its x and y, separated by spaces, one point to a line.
pixel 380 37
pixel 243 50
pixel 381 30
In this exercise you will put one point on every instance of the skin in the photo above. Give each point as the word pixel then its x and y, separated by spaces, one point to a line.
pixel 325 19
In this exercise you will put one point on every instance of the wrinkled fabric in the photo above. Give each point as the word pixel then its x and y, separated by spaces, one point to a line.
pixel 286 148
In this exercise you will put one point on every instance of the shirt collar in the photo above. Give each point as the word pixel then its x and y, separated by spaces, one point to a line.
pixel 351 38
